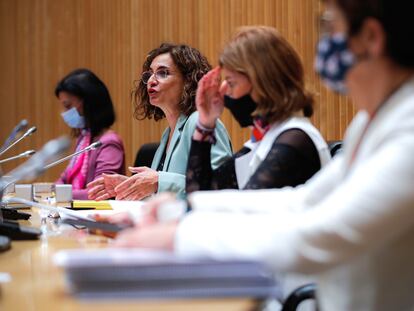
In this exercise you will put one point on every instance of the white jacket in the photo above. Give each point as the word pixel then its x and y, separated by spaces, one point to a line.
pixel 352 224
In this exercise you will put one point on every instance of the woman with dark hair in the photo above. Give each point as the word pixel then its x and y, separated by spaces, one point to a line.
pixel 90 113
pixel 167 89
pixel 352 224
pixel 267 94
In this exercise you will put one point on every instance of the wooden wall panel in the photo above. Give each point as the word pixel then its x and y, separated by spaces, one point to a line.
pixel 42 40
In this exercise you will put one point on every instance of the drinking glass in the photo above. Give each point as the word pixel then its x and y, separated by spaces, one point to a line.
pixel 44 193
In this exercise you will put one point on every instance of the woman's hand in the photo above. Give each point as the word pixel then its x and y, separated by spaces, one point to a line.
pixel 149 213
pixel 209 100
pixel 123 219
pixel 148 232
pixel 157 236
pixel 138 186
pixel 103 187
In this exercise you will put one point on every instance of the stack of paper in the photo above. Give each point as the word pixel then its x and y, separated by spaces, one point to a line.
pixel 127 273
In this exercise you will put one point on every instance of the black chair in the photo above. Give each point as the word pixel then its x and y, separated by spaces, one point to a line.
pixel 299 295
pixel 335 147
pixel 145 154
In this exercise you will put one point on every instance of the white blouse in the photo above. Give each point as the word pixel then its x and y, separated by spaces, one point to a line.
pixel 352 224
pixel 260 149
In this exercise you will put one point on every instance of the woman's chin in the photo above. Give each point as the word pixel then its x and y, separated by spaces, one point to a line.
pixel 156 102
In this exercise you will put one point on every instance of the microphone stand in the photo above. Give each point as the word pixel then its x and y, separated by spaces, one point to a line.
pixel 49 208
pixel 30 169
pixel 92 146
pixel 29 132
pixel 12 214
pixel 14 231
pixel 17 129
pixel 22 155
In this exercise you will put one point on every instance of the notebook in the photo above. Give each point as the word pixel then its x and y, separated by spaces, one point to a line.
pixel 136 273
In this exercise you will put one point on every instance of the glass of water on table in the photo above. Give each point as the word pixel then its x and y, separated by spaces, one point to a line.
pixel 44 193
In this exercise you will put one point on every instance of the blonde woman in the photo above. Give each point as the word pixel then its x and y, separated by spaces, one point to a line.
pixel 267 94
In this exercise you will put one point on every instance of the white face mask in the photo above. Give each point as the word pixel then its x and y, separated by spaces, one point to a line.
pixel 73 119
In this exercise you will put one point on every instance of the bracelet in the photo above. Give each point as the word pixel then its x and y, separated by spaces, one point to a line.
pixel 203 128
pixel 207 134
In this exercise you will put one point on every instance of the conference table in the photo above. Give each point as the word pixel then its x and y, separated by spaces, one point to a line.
pixel 37 284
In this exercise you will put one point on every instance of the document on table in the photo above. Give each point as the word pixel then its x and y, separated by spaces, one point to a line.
pixel 132 207
pixel 138 273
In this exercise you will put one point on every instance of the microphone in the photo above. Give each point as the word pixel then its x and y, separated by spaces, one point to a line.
pixel 17 129
pixel 70 217
pixel 92 146
pixel 29 132
pixel 25 154
pixel 29 170
pixel 36 165
pixel 50 208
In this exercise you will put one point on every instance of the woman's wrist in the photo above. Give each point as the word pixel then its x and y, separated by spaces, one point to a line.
pixel 203 133
pixel 197 136
pixel 206 124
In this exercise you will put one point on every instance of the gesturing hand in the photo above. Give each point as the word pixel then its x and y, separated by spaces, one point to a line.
pixel 103 187
pixel 156 236
pixel 209 100
pixel 138 186
pixel 148 232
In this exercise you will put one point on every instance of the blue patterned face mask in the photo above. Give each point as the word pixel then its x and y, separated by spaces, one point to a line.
pixel 333 60
pixel 73 119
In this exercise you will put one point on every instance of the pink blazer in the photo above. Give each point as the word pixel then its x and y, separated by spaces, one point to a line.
pixel 109 158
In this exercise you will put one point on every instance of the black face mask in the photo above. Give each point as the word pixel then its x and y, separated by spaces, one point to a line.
pixel 241 108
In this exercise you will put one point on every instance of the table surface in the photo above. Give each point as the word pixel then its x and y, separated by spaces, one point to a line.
pixel 37 284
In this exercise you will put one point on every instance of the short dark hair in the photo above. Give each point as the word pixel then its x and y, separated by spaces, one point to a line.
pixel 395 17
pixel 98 109
pixel 192 65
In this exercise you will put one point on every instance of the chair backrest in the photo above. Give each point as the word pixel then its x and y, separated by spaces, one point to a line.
pixel 335 147
pixel 299 295
pixel 145 154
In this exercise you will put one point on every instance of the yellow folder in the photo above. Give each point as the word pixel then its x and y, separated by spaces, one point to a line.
pixel 89 204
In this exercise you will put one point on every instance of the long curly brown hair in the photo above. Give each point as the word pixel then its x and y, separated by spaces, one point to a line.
pixel 192 65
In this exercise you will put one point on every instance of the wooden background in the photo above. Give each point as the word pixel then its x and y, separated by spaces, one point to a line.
pixel 42 40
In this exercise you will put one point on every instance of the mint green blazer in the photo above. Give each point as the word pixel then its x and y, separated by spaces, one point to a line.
pixel 172 177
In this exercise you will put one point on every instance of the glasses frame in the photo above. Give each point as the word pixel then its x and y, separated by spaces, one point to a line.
pixel 160 75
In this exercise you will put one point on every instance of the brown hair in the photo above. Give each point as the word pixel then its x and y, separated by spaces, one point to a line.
pixel 192 66
pixel 274 69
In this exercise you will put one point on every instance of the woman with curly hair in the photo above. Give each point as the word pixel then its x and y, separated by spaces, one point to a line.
pixel 167 89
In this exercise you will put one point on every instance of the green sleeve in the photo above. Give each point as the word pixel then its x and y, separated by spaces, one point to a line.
pixel 222 149
pixel 172 182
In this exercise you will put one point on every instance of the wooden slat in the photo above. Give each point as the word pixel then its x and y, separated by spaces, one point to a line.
pixel 43 40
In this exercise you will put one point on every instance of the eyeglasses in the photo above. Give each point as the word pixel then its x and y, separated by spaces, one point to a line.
pixel 160 75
